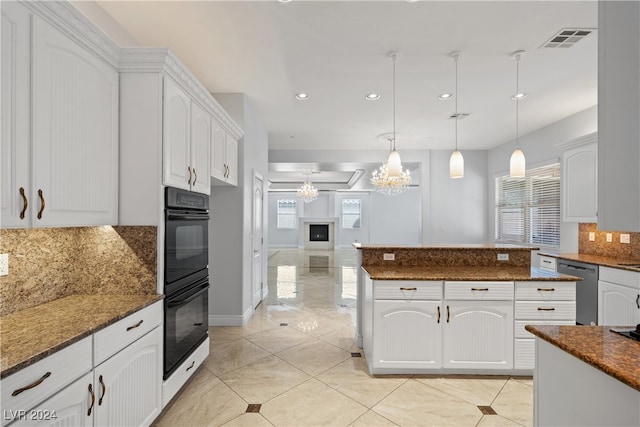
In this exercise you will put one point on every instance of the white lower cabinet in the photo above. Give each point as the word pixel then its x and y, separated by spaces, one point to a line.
pixel 458 326
pixel 478 335
pixel 540 303
pixel 64 390
pixel 407 334
pixel 618 297
pixel 129 384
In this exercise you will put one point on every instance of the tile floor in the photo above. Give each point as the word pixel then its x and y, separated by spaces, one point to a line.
pixel 292 365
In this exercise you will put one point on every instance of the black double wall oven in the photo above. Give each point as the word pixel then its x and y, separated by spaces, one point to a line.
pixel 186 275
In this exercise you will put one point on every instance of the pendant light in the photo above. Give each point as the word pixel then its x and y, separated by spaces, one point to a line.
pixel 391 179
pixel 456 161
pixel 517 164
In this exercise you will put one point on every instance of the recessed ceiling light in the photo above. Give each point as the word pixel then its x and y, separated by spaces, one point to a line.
pixel 372 96
pixel 445 96
pixel 284 1
pixel 519 96
pixel 302 96
pixel 412 1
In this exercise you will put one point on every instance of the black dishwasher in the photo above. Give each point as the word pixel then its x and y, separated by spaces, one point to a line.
pixel 586 290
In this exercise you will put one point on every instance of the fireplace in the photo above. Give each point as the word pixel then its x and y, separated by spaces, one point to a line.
pixel 318 232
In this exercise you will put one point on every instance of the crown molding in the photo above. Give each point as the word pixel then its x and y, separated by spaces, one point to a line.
pixel 577 142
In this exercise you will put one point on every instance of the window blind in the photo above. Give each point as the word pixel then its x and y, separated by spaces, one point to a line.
pixel 351 209
pixel 528 209
pixel 287 213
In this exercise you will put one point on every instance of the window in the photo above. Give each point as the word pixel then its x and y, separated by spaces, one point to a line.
pixel 528 209
pixel 287 213
pixel 351 209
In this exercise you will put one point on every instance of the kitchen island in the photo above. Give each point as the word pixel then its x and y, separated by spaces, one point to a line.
pixel 456 309
pixel 585 376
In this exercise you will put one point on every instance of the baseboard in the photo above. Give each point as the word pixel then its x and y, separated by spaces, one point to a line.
pixel 230 320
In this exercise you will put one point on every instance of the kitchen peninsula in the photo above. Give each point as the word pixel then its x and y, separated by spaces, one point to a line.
pixel 456 308
pixel 585 376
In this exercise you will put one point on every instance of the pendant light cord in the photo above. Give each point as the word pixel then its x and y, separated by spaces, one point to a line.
pixel 456 92
pixel 517 100
pixel 394 100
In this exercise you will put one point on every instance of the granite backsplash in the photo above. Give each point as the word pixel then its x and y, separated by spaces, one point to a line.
pixel 50 263
pixel 600 246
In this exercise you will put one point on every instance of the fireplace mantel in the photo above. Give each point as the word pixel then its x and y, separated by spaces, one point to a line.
pixel 303 234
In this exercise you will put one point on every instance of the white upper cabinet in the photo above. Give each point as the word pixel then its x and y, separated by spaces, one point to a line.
pixel 176 138
pixel 61 111
pixel 200 149
pixel 618 113
pixel 580 180
pixel 224 156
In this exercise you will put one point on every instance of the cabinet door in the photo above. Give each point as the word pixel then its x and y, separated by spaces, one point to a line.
pixel 15 89
pixel 200 147
pixel 69 407
pixel 618 305
pixel 231 155
pixel 478 334
pixel 580 178
pixel 176 153
pixel 218 145
pixel 128 385
pixel 407 334
pixel 75 132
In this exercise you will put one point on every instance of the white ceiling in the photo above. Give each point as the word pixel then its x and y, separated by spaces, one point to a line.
pixel 337 52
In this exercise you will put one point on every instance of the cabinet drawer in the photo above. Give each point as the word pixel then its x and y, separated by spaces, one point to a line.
pixel 172 385
pixel 489 291
pixel 546 291
pixel 521 332
pixel 47 377
pixel 543 310
pixel 402 289
pixel 524 354
pixel 619 276
pixel 114 338
pixel 549 263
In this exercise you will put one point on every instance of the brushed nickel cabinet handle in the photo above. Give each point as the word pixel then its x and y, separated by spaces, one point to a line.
pixel 191 366
pixel 546 309
pixel 480 289
pixel 546 289
pixel 135 326
pixel 189 170
pixel 104 390
pixel 448 314
pixel 93 399
pixel 32 385
pixel 41 204
pixel 408 289
pixel 25 203
pixel 438 314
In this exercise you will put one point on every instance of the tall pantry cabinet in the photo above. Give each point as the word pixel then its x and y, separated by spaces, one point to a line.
pixel 59 119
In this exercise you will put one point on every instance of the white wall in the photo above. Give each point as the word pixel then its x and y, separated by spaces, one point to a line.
pixel 230 246
pixel 396 219
pixel 458 206
pixel 100 18
pixel 538 148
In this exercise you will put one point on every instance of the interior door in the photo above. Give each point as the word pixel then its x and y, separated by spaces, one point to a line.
pixel 258 240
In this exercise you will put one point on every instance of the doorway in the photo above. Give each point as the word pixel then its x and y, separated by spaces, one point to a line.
pixel 257 239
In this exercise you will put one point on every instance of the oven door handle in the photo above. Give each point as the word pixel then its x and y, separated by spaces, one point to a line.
pixel 191 295
pixel 189 217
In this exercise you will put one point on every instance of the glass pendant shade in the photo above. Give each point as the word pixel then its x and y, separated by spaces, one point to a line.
pixel 456 165
pixel 394 165
pixel 517 164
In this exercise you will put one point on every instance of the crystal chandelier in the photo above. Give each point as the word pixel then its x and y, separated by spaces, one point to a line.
pixel 307 192
pixel 390 179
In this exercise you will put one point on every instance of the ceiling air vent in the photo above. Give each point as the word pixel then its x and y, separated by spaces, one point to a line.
pixel 459 116
pixel 567 37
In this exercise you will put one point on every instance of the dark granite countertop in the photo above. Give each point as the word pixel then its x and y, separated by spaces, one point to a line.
pixel 470 246
pixel 30 335
pixel 595 259
pixel 452 272
pixel 607 351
